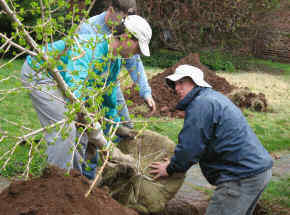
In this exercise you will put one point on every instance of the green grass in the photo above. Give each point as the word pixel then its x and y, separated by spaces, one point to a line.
pixel 16 108
pixel 164 126
pixel 274 65
pixel 278 192
pixel 273 129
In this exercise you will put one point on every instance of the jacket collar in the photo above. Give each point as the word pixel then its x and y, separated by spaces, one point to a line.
pixel 182 105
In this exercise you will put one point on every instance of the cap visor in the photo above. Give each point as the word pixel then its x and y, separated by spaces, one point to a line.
pixel 202 83
pixel 144 48
pixel 175 77
pixel 170 80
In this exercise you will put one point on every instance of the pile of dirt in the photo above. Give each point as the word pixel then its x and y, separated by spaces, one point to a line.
pixel 244 98
pixel 166 100
pixel 165 97
pixel 58 193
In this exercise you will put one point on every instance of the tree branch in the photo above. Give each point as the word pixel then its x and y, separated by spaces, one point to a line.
pixel 63 86
pixel 9 40
pixel 25 137
pixel 104 164
pixel 30 156
pixel 11 14
pixel 14 123
pixel 83 19
pixel 14 58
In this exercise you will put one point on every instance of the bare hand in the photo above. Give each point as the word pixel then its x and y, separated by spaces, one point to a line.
pixel 151 104
pixel 159 168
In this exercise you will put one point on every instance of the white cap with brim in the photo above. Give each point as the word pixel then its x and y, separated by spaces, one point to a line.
pixel 187 71
pixel 140 29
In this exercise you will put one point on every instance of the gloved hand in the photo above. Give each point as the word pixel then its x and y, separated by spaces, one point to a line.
pixel 96 136
pixel 125 132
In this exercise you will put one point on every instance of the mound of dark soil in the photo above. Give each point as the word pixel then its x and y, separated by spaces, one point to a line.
pixel 165 97
pixel 166 100
pixel 244 98
pixel 56 193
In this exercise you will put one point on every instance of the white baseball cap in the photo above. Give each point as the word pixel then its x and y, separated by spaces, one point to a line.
pixel 140 29
pixel 187 71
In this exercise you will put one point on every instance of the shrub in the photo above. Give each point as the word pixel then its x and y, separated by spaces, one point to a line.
pixel 190 24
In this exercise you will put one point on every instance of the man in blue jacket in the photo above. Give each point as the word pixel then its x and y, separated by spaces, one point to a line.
pixel 103 25
pixel 218 137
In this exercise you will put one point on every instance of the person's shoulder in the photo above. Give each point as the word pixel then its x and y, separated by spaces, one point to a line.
pixel 210 95
pixel 85 37
pixel 97 17
pixel 206 99
pixel 217 101
pixel 206 95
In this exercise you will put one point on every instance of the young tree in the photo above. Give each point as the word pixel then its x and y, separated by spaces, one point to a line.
pixel 87 109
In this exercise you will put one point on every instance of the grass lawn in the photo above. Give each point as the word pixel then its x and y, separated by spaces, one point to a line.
pixel 17 118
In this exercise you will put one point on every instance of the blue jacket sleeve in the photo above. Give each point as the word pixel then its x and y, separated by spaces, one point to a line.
pixel 192 139
pixel 137 72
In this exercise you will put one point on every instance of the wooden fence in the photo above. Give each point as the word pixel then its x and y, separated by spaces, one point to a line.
pixel 273 45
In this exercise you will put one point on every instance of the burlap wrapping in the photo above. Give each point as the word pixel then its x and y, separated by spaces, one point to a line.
pixel 136 189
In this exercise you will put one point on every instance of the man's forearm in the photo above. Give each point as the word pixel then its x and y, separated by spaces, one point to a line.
pixel 138 75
